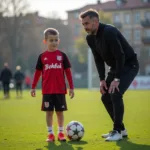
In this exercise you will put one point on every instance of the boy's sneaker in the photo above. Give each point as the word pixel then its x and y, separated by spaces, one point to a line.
pixel 114 136
pixel 61 136
pixel 50 138
pixel 123 132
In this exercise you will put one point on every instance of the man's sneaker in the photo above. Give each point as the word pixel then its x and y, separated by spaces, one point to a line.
pixel 123 132
pixel 114 136
pixel 50 138
pixel 61 136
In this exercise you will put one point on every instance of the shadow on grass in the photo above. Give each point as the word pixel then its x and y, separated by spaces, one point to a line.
pixel 78 142
pixel 65 145
pixel 128 145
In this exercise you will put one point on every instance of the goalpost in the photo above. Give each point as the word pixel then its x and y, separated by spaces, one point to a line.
pixel 93 77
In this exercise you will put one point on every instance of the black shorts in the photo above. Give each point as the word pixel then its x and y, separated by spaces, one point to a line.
pixel 54 101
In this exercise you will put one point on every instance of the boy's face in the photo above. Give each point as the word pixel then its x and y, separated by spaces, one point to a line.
pixel 52 41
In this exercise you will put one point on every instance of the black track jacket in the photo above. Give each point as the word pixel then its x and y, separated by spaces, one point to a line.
pixel 110 46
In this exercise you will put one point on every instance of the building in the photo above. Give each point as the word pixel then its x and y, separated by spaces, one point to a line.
pixel 131 17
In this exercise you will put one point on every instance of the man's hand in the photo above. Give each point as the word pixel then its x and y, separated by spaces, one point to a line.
pixel 103 87
pixel 33 92
pixel 71 93
pixel 114 85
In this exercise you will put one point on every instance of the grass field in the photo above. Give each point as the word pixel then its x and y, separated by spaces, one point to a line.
pixel 23 126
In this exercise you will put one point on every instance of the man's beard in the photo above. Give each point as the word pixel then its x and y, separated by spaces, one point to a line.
pixel 93 31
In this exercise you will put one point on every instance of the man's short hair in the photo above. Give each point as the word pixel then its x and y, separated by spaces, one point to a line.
pixel 50 31
pixel 90 12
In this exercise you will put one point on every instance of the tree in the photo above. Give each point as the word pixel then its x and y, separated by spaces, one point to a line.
pixel 11 11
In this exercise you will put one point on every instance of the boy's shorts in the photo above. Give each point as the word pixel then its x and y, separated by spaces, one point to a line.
pixel 54 101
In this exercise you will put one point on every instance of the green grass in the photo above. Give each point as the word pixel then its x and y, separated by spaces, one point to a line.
pixel 23 126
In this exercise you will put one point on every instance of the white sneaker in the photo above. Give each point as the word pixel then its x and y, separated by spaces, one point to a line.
pixel 114 136
pixel 123 132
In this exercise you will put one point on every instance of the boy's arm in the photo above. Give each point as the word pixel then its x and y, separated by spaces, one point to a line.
pixel 37 74
pixel 36 77
pixel 70 81
pixel 69 77
pixel 68 73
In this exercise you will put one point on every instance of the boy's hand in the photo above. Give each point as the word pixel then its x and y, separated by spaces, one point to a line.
pixel 33 92
pixel 71 93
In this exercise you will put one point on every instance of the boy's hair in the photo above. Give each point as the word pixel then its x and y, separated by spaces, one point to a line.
pixel 50 31
pixel 90 12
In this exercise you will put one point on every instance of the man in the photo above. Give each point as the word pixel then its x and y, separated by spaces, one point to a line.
pixel 5 77
pixel 19 78
pixel 109 46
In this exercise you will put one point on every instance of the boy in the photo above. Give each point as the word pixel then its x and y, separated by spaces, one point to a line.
pixel 53 64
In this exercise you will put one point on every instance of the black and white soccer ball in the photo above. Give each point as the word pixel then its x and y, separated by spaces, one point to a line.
pixel 74 131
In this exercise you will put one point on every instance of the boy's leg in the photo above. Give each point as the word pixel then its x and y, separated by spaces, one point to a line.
pixel 48 106
pixel 60 119
pixel 60 106
pixel 49 121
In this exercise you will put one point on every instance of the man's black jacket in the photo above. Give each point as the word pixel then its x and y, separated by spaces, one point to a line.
pixel 110 46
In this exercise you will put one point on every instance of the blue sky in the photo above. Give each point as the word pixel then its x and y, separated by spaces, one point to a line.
pixel 57 7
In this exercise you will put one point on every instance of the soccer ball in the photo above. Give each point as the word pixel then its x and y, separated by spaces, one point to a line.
pixel 74 130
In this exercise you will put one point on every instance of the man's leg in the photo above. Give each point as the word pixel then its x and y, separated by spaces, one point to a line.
pixel 106 99
pixel 117 98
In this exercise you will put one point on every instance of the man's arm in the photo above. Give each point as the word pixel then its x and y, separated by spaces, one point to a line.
pixel 113 43
pixel 100 65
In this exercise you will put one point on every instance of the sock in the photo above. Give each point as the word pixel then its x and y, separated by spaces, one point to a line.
pixel 50 130
pixel 60 129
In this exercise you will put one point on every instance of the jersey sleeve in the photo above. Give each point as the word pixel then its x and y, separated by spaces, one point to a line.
pixel 66 61
pixel 39 65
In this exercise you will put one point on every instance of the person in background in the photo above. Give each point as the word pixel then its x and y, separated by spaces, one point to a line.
pixel 28 81
pixel 18 78
pixel 5 77
pixel 53 64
